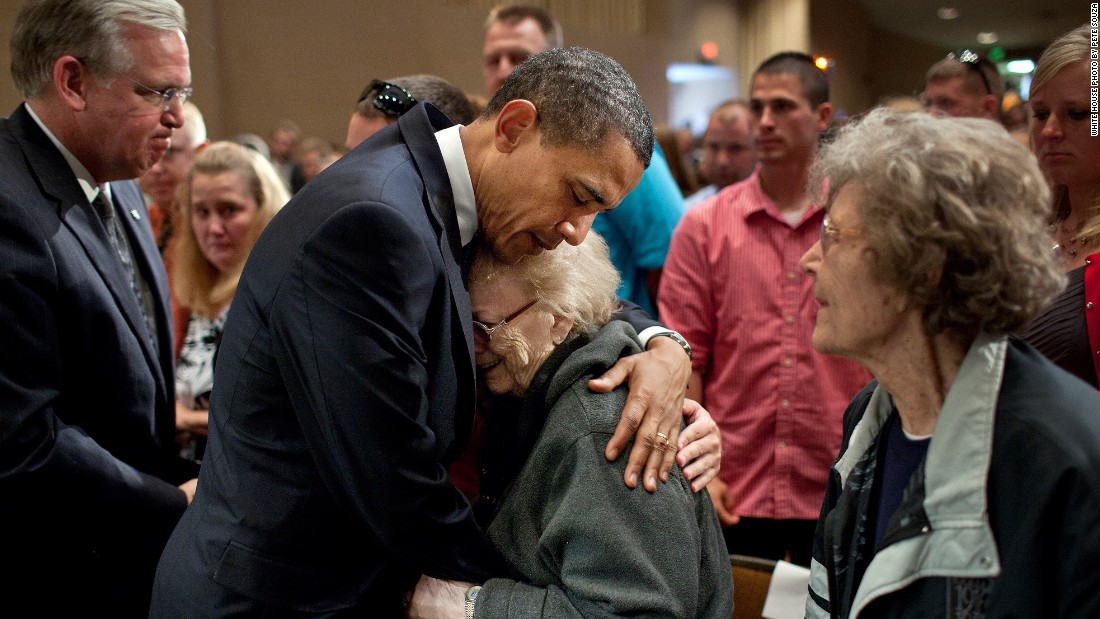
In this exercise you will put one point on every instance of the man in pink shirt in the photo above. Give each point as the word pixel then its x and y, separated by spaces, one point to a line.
pixel 733 288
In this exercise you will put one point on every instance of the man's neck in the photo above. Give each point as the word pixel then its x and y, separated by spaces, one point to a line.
pixel 54 126
pixel 785 183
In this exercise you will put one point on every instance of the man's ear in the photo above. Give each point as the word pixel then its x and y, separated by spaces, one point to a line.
pixel 515 119
pixel 71 81
pixel 992 107
pixel 824 113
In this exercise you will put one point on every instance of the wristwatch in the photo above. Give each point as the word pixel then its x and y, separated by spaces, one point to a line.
pixel 676 337
pixel 471 599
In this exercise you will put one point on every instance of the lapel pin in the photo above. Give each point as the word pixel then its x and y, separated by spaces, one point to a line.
pixel 136 215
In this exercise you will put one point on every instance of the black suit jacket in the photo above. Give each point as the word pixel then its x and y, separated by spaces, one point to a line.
pixel 344 382
pixel 88 461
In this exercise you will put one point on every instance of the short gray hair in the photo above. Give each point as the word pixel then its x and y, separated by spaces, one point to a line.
pixel 574 281
pixel 955 216
pixel 90 30
pixel 582 98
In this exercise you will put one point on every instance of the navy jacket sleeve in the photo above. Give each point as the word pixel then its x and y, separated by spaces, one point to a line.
pixel 635 316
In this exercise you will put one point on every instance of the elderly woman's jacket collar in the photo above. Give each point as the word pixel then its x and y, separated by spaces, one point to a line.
pixel 942 528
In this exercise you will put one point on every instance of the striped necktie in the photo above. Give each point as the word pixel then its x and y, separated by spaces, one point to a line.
pixel 117 235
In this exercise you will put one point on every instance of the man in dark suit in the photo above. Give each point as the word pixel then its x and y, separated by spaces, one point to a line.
pixel 345 377
pixel 88 468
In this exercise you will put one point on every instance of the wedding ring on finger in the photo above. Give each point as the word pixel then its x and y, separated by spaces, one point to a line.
pixel 665 444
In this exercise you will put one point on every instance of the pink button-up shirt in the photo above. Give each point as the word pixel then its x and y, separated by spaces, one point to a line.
pixel 732 286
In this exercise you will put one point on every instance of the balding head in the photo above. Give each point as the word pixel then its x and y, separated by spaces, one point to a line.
pixel 728 157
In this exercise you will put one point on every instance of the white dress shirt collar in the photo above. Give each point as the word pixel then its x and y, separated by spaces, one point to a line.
pixel 462 187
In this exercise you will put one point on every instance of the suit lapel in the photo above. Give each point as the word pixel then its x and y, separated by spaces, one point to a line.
pixel 425 152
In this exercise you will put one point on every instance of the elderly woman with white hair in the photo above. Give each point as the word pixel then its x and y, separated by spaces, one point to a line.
pixel 969 478
pixel 584 543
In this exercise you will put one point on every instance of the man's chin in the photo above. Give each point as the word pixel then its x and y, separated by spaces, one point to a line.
pixel 511 254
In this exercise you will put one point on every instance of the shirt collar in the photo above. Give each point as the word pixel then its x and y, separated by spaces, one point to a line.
pixel 83 176
pixel 760 202
pixel 462 187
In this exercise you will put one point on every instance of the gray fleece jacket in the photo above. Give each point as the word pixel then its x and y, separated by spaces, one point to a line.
pixel 587 545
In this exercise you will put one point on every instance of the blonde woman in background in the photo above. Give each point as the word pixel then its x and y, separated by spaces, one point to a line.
pixel 1068 332
pixel 230 195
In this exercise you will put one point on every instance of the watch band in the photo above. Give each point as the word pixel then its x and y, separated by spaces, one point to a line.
pixel 675 337
pixel 471 599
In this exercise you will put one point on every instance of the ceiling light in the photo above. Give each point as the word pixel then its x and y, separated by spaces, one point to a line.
pixel 1022 67
pixel 987 38
pixel 947 12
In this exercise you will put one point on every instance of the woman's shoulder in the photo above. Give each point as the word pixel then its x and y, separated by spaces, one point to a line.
pixel 1057 409
pixel 572 404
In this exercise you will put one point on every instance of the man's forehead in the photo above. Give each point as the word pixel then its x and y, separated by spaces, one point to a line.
pixel 953 85
pixel 525 35
pixel 767 96
pixel 776 87
pixel 727 125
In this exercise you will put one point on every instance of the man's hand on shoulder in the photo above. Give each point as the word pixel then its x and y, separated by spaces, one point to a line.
pixel 653 411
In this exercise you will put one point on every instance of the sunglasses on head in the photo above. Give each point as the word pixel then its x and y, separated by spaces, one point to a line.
pixel 974 61
pixel 390 99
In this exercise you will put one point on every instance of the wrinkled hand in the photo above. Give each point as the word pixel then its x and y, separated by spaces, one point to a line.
pixel 657 379
pixel 189 488
pixel 438 599
pixel 700 453
pixel 724 503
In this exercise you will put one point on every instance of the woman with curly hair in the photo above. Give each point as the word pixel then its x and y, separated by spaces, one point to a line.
pixel 969 477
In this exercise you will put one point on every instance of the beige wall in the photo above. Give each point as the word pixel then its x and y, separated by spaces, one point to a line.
pixel 841 30
pixel 8 99
pixel 869 64
pixel 898 65
pixel 255 62
pixel 770 27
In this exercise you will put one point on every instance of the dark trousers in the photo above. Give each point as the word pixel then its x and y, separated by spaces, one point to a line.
pixel 787 540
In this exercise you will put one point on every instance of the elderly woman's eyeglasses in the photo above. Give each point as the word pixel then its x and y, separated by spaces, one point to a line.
pixel 830 233
pixel 390 99
pixel 163 98
pixel 974 61
pixel 483 333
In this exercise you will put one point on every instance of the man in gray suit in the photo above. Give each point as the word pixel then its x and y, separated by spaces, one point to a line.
pixel 89 472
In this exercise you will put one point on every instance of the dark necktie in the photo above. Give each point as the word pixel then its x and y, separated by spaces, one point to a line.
pixel 138 285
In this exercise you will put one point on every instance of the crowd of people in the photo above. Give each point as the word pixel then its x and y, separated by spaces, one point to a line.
pixel 528 354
